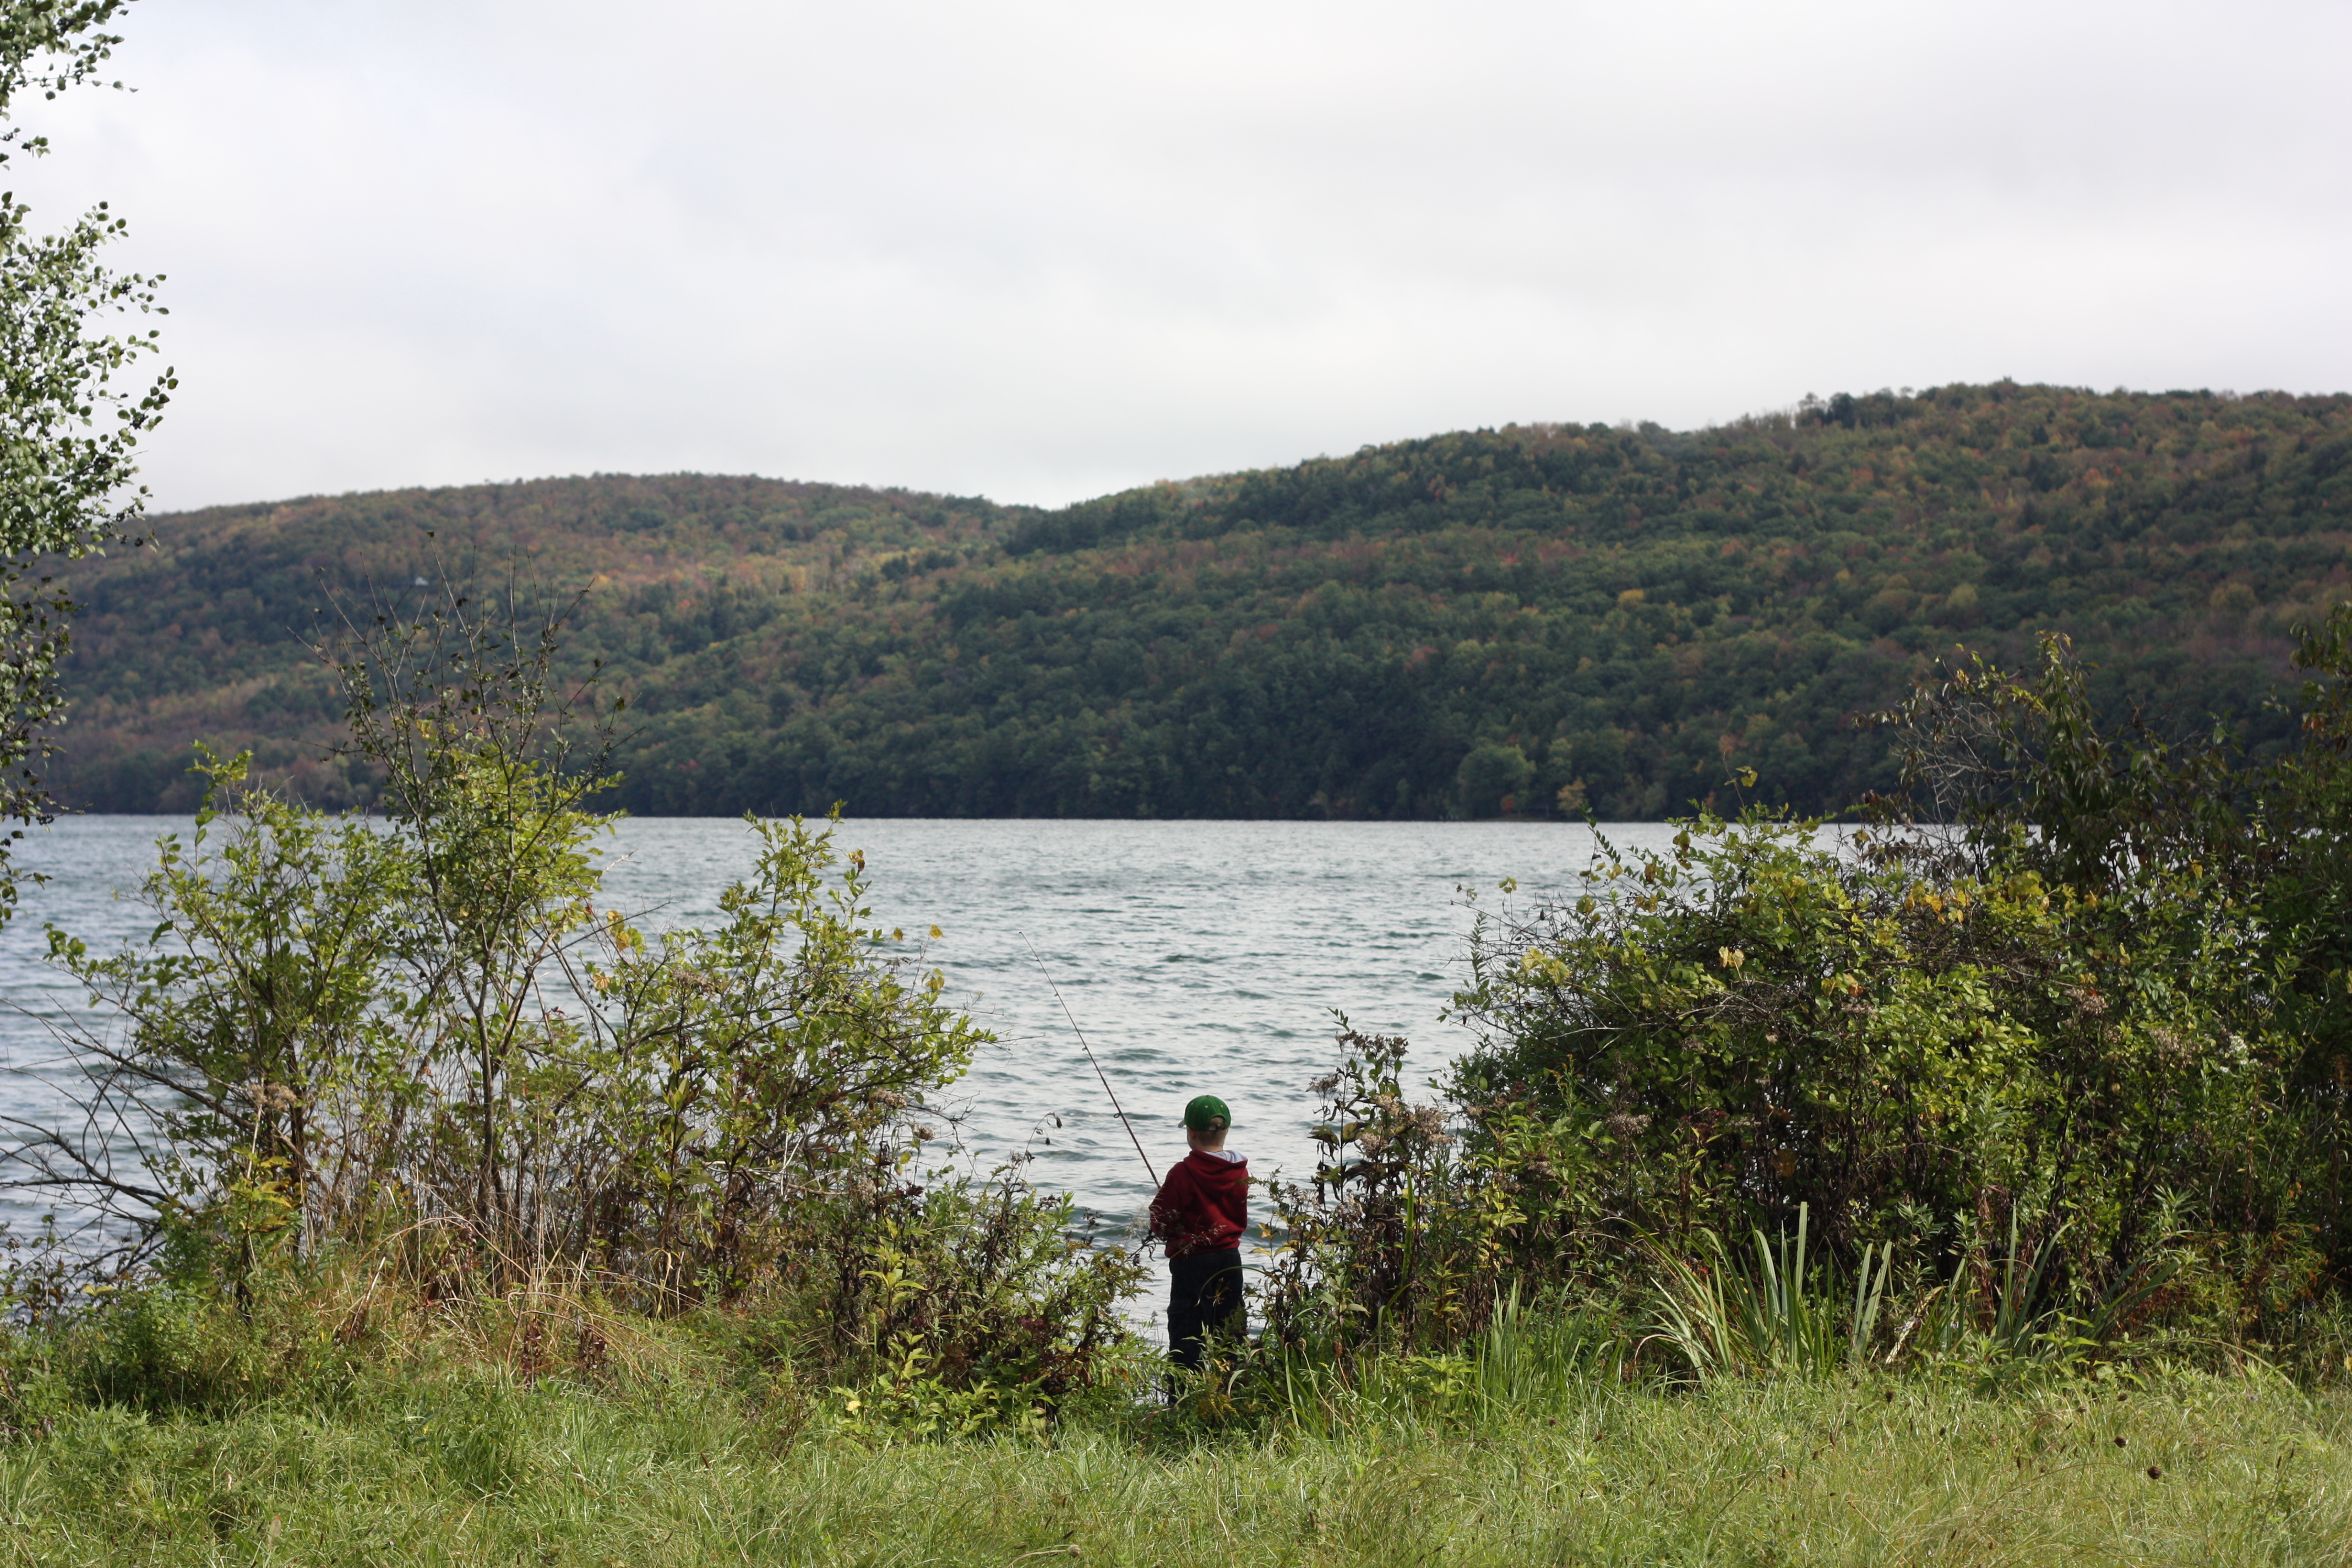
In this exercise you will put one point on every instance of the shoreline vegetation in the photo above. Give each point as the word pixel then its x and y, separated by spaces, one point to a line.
pixel 1974 1197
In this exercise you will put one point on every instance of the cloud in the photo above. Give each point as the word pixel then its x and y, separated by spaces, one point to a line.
pixel 1041 250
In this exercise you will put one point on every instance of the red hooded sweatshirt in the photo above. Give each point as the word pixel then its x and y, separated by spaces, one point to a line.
pixel 1203 1206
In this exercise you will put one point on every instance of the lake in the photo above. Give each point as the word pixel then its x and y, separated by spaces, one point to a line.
pixel 1197 956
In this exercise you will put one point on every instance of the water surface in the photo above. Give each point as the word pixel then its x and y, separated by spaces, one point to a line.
pixel 1197 956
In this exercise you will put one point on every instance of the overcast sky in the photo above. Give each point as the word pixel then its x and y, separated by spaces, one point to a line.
pixel 1038 251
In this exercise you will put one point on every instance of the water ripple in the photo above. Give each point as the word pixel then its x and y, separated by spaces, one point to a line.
pixel 1198 956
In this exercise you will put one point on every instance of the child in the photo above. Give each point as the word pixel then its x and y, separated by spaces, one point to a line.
pixel 1200 1213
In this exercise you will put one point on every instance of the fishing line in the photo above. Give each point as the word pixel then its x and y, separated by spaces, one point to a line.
pixel 1081 1034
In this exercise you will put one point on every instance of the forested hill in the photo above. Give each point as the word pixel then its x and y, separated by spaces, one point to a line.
pixel 1538 618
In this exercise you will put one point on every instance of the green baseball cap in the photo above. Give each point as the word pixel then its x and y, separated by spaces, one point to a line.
pixel 1204 1112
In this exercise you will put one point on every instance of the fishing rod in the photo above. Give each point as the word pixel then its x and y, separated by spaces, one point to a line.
pixel 1081 1034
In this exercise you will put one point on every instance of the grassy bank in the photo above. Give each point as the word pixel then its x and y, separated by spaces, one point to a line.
pixel 457 1463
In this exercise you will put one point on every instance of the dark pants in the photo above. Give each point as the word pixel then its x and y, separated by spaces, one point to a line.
pixel 1204 1297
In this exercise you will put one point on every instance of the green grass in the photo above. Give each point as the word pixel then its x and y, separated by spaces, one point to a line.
pixel 456 1467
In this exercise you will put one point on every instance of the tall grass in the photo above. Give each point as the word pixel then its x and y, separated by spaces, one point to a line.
pixel 1538 1453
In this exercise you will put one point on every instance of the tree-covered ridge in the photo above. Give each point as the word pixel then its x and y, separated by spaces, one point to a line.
pixel 202 634
pixel 1535 618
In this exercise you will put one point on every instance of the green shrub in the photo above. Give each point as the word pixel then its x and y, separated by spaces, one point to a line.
pixel 1756 1021
pixel 1401 1241
pixel 2089 1008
